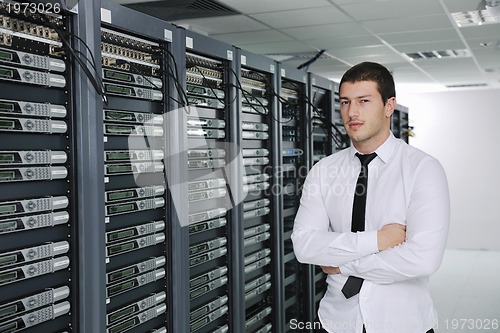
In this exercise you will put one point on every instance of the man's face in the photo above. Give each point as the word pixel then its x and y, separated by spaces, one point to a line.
pixel 365 117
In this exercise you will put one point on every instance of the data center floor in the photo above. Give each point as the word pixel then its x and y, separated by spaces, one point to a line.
pixel 466 291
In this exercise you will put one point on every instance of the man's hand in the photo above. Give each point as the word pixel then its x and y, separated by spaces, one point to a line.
pixel 390 235
pixel 330 270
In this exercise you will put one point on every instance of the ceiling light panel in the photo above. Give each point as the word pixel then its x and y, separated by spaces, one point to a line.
pixel 442 54
pixel 474 18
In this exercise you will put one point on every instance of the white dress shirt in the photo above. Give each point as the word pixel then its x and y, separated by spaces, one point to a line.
pixel 405 186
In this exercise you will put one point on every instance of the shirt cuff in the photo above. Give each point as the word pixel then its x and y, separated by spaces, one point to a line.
pixel 368 242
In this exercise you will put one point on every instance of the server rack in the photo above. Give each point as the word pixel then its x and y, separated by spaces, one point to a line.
pixel 400 126
pixel 135 79
pixel 324 141
pixel 88 315
pixel 38 208
pixel 341 140
pixel 259 209
pixel 212 168
pixel 321 103
pixel 293 134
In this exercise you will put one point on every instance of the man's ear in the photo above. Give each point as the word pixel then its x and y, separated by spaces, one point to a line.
pixel 390 106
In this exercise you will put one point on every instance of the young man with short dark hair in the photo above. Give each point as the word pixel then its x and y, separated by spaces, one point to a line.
pixel 375 216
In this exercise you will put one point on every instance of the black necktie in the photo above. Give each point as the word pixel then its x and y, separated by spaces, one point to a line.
pixel 353 283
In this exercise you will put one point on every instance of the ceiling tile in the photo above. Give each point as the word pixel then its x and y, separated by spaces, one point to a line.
pixel 344 2
pixel 363 11
pixel 343 42
pixel 126 2
pixel 448 67
pixel 384 59
pixel 362 50
pixel 410 37
pixel 302 17
pixel 222 24
pixel 488 58
pixel 252 37
pixel 266 6
pixel 324 66
pixel 414 76
pixel 481 44
pixel 467 77
pixel 493 51
pixel 278 47
pixel 329 62
pixel 326 31
pixel 461 5
pixel 415 23
pixel 483 31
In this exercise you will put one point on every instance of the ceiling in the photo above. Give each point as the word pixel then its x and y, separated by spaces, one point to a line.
pixel 350 31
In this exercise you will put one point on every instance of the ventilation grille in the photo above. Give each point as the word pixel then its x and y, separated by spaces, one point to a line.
pixel 173 10
pixel 473 18
pixel 444 54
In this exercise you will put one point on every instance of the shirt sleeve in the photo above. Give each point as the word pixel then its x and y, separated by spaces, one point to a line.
pixel 427 225
pixel 313 240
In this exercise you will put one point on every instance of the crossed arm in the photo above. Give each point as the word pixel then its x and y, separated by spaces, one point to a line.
pixel 388 237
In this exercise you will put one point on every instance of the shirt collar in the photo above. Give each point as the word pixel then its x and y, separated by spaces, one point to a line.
pixel 385 151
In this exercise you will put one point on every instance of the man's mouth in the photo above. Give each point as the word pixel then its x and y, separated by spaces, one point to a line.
pixel 355 124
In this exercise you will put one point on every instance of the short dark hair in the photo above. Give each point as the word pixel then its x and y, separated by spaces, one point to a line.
pixel 372 71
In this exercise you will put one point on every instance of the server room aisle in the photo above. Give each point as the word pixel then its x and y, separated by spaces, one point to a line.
pixel 466 292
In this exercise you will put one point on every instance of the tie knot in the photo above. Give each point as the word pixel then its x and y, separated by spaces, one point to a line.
pixel 366 159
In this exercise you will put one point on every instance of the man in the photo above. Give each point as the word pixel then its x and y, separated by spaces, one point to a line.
pixel 378 279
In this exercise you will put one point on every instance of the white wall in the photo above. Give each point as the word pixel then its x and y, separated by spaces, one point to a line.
pixel 462 130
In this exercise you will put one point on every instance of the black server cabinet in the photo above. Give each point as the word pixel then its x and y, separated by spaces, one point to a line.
pixel 321 103
pixel 90 307
pixel 213 189
pixel 38 215
pixel 400 126
pixel 259 239
pixel 323 142
pixel 341 139
pixel 294 134
pixel 135 71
